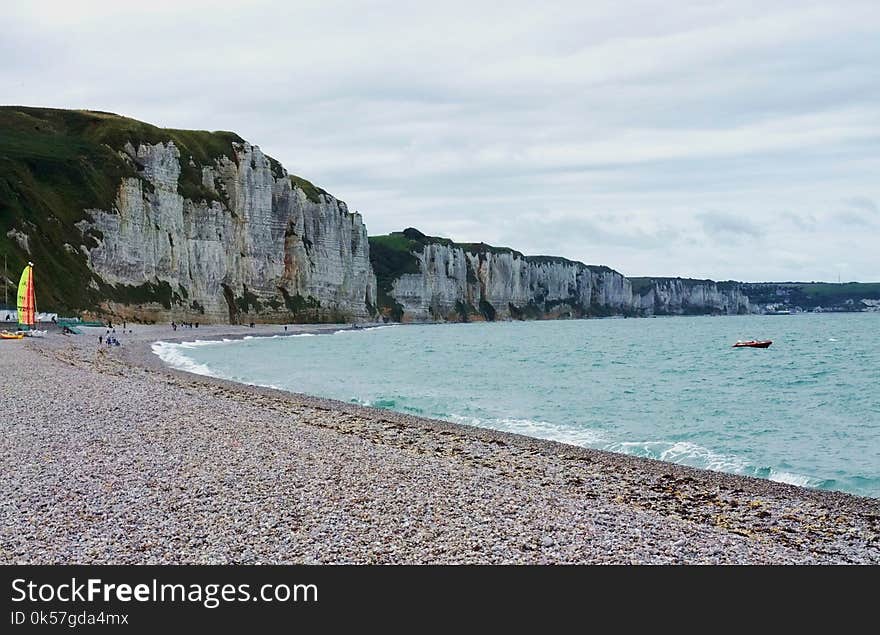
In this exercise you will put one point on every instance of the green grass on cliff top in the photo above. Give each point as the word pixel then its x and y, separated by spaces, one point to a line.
pixel 412 240
pixel 67 134
pixel 313 192
pixel 642 284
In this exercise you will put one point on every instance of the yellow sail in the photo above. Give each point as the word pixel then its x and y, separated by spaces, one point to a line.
pixel 26 301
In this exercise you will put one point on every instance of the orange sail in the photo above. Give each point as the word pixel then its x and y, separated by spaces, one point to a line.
pixel 26 300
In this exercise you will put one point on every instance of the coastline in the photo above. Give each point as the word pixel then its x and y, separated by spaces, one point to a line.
pixel 372 485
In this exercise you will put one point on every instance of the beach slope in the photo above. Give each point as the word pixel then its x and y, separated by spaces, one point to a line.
pixel 108 457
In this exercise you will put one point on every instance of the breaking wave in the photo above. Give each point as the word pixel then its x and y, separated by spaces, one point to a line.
pixel 532 428
pixel 173 355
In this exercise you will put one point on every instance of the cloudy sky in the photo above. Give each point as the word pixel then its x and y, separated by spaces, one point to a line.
pixel 707 139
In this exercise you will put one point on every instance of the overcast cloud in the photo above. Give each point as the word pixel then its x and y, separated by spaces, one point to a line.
pixel 707 139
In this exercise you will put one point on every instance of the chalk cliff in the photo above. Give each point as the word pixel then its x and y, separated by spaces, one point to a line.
pixel 131 220
pixel 126 219
pixel 685 296
pixel 265 249
pixel 423 278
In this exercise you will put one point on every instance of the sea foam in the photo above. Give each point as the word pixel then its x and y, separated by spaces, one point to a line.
pixel 173 355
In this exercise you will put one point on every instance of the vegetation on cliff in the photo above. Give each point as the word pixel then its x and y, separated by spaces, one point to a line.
pixel 393 255
pixel 313 192
pixel 57 164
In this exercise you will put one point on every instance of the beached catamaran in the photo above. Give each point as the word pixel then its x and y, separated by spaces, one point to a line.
pixel 27 302
pixel 27 307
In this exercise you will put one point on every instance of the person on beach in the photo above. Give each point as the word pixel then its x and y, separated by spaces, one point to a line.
pixel 100 339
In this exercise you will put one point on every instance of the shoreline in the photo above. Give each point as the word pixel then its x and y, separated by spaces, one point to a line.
pixel 148 358
pixel 568 503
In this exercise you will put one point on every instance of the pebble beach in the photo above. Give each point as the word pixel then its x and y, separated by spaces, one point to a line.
pixel 108 457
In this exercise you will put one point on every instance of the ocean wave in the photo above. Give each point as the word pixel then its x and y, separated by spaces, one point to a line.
pixel 694 455
pixel 533 428
pixel 365 329
pixel 381 402
pixel 793 479
pixel 200 343
pixel 683 453
pixel 172 354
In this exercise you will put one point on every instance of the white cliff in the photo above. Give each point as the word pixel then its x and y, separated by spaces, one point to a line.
pixel 457 284
pixel 467 282
pixel 679 296
pixel 262 249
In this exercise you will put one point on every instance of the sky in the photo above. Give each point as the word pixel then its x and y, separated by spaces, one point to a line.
pixel 725 140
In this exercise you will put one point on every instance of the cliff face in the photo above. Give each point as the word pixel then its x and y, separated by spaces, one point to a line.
pixel 423 278
pixel 266 249
pixel 457 284
pixel 127 219
pixel 136 221
pixel 682 296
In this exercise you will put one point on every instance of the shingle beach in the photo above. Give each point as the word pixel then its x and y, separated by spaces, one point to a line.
pixel 109 457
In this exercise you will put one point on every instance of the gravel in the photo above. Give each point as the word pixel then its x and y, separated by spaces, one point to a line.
pixel 108 457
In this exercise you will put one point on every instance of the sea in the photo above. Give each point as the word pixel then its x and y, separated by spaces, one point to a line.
pixel 805 411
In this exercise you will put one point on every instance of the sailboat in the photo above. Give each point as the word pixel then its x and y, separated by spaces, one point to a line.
pixel 26 300
pixel 27 307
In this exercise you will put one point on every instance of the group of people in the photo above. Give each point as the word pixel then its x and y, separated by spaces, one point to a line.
pixel 189 325
pixel 109 338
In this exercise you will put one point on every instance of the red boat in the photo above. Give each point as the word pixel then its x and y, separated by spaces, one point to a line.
pixel 753 344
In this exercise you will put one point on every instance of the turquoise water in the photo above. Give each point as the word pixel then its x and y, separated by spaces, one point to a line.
pixel 805 411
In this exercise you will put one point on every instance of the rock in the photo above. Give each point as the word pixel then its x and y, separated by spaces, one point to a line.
pixel 678 295
pixel 451 278
pixel 457 282
pixel 234 255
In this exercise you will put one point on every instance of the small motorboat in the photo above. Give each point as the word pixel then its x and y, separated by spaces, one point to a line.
pixel 6 335
pixel 753 344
